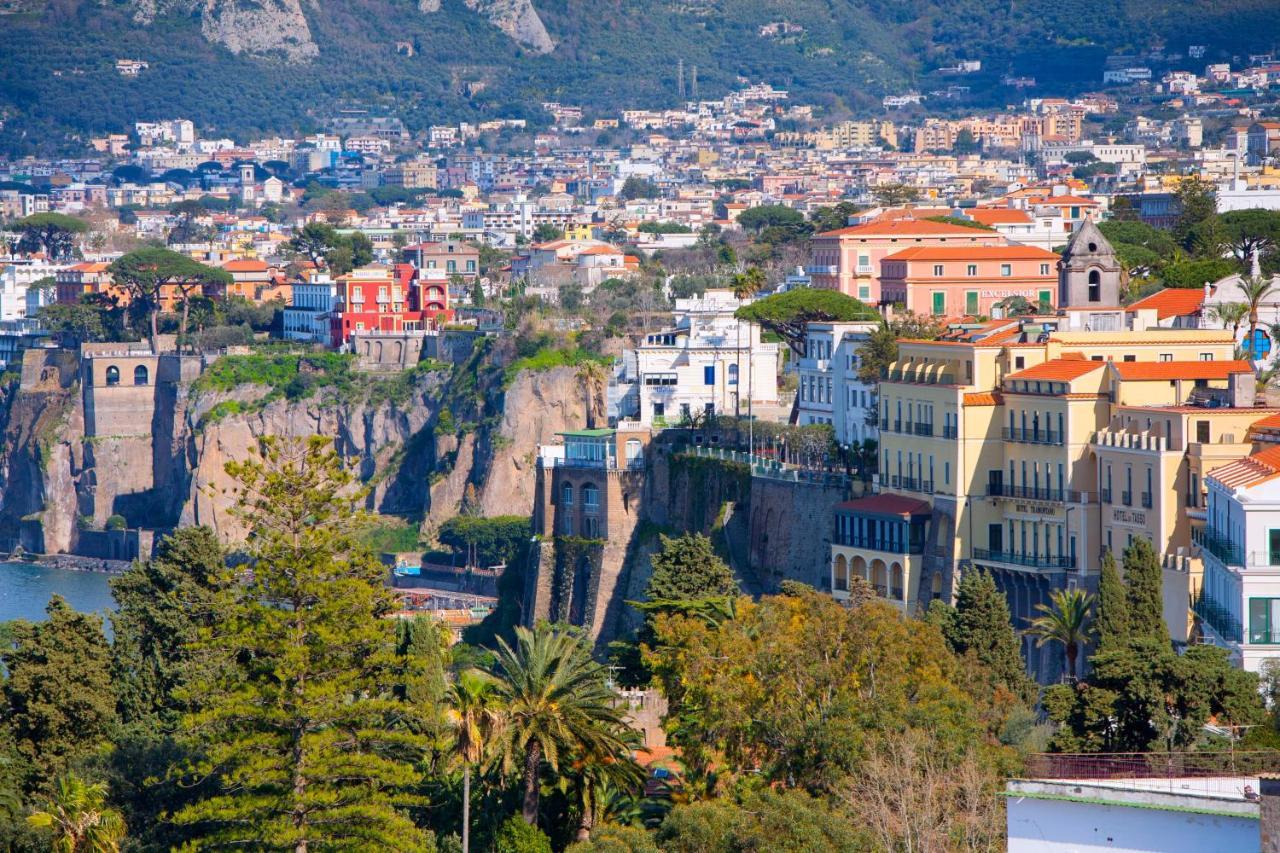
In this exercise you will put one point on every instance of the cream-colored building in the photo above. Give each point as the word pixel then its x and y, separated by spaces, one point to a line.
pixel 1028 448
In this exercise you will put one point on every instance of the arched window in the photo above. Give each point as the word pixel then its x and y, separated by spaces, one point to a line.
pixel 566 494
pixel 879 578
pixel 895 589
pixel 590 497
pixel 113 375
pixel 1095 286
pixel 842 574
pixel 733 374
pixel 140 376
pixel 937 585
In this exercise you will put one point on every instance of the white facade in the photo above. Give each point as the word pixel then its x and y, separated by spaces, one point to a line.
pixel 707 361
pixel 829 391
pixel 307 319
pixel 16 302
pixel 1239 604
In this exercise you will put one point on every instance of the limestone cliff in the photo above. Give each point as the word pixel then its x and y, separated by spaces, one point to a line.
pixel 518 19
pixel 419 455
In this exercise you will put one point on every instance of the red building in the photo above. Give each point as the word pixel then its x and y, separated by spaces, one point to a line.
pixel 401 298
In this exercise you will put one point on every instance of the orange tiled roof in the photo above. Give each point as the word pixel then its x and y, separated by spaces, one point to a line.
pixel 245 265
pixel 998 215
pixel 1011 252
pixel 1249 471
pixel 982 398
pixel 1172 302
pixel 907 228
pixel 1058 370
pixel 1147 371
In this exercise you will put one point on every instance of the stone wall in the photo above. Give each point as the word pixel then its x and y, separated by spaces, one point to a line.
pixel 789 530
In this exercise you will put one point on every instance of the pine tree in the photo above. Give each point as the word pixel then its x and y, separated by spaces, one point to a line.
pixel 305 735
pixel 162 605
pixel 58 700
pixel 687 568
pixel 1111 620
pixel 981 624
pixel 1144 581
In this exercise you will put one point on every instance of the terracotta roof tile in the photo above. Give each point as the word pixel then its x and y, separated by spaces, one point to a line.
pixel 973 253
pixel 982 398
pixel 1149 371
pixel 1172 302
pixel 908 228
pixel 1058 370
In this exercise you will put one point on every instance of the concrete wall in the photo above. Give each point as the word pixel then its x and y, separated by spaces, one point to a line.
pixel 1059 826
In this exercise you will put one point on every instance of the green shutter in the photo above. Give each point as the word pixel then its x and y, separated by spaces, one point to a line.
pixel 939 303
pixel 970 302
pixel 1046 298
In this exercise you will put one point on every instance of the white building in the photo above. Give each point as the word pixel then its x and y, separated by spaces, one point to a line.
pixel 17 300
pixel 1239 602
pixel 829 390
pixel 307 319
pixel 706 361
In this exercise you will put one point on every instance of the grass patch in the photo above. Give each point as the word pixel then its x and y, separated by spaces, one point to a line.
pixel 389 534
pixel 550 358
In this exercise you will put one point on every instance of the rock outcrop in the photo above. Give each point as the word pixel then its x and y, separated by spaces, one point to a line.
pixel 518 19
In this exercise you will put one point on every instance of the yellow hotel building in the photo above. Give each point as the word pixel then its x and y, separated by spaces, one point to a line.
pixel 1028 447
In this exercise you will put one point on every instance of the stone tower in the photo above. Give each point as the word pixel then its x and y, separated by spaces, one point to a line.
pixel 1089 272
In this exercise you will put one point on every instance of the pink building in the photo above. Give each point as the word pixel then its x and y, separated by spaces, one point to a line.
pixel 848 259
pixel 959 281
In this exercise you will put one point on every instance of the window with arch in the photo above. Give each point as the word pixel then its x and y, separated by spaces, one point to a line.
pixel 591 497
pixel 937 586
pixel 140 375
pixel 1095 286
pixel 733 374
pixel 566 494
pixel 113 375
pixel 895 580
pixel 842 574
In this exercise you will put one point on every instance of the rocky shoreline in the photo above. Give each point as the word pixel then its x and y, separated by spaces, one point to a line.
pixel 71 562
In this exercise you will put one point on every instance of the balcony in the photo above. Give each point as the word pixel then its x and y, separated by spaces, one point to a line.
pixel 1126 498
pixel 1030 561
pixel 911 484
pixel 1146 500
pixel 888 546
pixel 1229 553
pixel 916 378
pixel 1106 496
pixel 950 432
pixel 1027 436
pixel 923 429
pixel 884 426
pixel 1218 617
pixel 1034 493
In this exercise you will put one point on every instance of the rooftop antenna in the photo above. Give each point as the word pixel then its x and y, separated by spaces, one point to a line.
pixel 693 82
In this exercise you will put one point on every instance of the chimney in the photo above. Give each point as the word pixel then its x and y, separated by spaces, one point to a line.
pixel 1269 814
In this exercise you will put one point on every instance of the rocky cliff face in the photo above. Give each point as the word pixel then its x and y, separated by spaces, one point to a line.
pixel 53 479
pixel 264 27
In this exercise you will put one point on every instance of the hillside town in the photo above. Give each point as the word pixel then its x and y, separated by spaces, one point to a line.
pixel 921 366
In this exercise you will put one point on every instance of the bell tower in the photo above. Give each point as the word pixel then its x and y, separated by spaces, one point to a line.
pixel 1089 272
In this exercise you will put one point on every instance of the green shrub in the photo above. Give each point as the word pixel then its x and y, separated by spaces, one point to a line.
pixel 116 522
pixel 516 836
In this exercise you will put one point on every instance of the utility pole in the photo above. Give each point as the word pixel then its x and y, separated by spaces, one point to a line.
pixel 693 83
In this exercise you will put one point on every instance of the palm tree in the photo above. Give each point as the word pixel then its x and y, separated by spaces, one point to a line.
pixel 1255 289
pixel 1230 315
pixel 476 716
pixel 557 704
pixel 79 818
pixel 592 376
pixel 604 782
pixel 1069 621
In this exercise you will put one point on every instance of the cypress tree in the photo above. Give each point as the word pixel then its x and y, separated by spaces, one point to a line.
pixel 1144 581
pixel 306 736
pixel 1111 619
pixel 981 624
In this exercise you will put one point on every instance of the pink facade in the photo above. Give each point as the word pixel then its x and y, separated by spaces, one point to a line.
pixel 959 282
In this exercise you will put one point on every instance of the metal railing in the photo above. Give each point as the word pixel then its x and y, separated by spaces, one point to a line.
pixel 1032 561
pixel 1034 493
pixel 1146 500
pixel 911 484
pixel 1219 617
pixel 950 432
pixel 1225 550
pixel 923 429
pixel 1106 495
pixel 1126 498
pixel 1150 765
pixel 872 543
pixel 1028 436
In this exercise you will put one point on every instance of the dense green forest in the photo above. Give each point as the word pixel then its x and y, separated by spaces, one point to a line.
pixel 56 60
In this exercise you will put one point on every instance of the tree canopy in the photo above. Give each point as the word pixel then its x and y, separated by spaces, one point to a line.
pixel 788 314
